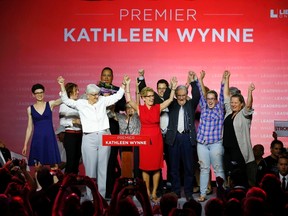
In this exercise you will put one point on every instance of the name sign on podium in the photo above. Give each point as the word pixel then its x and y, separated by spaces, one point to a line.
pixel 125 140
pixel 281 128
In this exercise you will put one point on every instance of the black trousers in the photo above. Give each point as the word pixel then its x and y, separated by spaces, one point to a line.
pixel 72 144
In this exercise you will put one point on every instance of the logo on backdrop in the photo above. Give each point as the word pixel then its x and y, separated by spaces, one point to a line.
pixel 279 13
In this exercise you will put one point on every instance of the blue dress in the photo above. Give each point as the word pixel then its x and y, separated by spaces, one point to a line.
pixel 44 147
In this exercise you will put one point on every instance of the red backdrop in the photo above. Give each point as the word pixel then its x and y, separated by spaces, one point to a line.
pixel 41 40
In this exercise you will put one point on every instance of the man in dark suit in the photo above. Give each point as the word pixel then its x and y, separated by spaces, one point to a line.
pixel 269 163
pixel 181 136
pixel 283 171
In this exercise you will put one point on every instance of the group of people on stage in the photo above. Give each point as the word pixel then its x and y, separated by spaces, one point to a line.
pixel 167 116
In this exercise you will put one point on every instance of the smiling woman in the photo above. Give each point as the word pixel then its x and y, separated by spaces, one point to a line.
pixel 44 147
pixel 95 123
pixel 151 155
pixel 209 135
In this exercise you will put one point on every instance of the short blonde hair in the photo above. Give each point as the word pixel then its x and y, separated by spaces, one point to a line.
pixel 145 90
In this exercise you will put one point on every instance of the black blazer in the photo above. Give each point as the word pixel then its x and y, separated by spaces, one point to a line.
pixel 278 176
pixel 190 108
pixel 157 98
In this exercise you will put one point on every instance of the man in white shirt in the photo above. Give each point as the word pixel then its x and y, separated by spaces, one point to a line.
pixel 95 123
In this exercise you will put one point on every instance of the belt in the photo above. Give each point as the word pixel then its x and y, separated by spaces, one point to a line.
pixel 74 131
pixel 184 132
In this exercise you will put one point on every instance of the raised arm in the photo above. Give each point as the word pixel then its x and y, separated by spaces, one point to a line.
pixel 226 79
pixel 249 102
pixel 201 78
pixel 61 82
pixel 137 92
pixel 167 102
pixel 141 80
pixel 69 102
pixel 54 103
pixel 132 103
pixel 195 90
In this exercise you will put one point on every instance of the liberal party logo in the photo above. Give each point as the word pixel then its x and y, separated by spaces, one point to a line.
pixel 278 13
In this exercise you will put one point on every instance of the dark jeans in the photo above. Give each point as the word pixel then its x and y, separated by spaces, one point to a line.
pixel 182 149
pixel 72 144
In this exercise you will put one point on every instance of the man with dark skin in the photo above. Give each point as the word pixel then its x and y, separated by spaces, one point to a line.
pixel 113 170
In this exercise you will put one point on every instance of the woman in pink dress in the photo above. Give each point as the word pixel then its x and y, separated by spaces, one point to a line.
pixel 151 155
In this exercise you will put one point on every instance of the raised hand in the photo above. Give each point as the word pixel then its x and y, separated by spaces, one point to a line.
pixel 191 76
pixel 251 87
pixel 141 72
pixel 126 79
pixel 202 74
pixel 60 80
pixel 173 82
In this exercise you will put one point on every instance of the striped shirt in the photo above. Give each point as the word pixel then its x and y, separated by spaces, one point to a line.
pixel 211 120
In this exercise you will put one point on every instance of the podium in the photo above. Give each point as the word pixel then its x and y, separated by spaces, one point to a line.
pixel 127 142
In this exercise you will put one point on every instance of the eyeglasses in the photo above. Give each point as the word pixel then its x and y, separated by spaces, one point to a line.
pixel 38 93
pixel 94 95
pixel 150 96
pixel 181 95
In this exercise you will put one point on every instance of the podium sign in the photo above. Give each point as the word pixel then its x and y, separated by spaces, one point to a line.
pixel 281 128
pixel 126 141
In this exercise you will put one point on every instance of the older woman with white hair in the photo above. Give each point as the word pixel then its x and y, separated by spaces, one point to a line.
pixel 95 123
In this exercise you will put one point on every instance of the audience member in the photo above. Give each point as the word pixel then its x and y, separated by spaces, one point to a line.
pixel 181 136
pixel 258 151
pixel 167 202
pixel 269 163
pixel 232 208
pixel 256 192
pixel 270 183
pixel 71 205
pixel 254 206
pixel 181 212
pixel 4 204
pixel 194 205
pixel 283 172
pixel 5 154
pixel 214 207
pixel 66 200
pixel 127 187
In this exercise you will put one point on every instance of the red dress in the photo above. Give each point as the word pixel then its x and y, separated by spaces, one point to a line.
pixel 151 155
